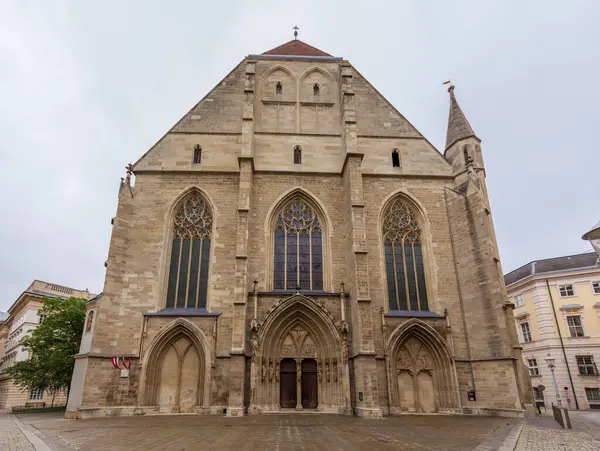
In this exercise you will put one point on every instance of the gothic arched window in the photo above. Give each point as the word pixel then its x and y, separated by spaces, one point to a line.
pixel 90 321
pixel 395 158
pixel 297 155
pixel 188 272
pixel 298 251
pixel 404 267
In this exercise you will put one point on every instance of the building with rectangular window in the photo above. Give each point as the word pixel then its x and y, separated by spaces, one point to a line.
pixel 293 242
pixel 557 313
pixel 22 317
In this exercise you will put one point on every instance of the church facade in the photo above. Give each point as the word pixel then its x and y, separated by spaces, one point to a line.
pixel 295 243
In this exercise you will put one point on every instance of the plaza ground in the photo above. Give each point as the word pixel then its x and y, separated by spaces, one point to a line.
pixel 295 432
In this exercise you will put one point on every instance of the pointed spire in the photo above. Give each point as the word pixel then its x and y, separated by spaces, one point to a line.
pixel 458 126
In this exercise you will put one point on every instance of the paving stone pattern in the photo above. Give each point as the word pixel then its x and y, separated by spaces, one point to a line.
pixel 534 438
pixel 268 432
pixel 11 437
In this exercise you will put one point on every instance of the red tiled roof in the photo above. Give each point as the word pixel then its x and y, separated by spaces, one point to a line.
pixel 296 48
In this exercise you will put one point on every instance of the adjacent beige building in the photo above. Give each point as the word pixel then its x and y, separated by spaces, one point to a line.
pixel 22 317
pixel 557 313
pixel 293 243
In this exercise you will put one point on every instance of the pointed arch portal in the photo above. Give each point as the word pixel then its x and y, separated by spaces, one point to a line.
pixel 421 374
pixel 175 368
pixel 299 360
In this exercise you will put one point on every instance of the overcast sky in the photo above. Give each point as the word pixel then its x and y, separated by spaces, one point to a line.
pixel 87 87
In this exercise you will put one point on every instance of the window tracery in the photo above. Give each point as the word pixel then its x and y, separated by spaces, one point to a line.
pixel 298 248
pixel 405 270
pixel 188 272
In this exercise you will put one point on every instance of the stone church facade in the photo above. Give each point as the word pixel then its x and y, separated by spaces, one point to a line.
pixel 295 243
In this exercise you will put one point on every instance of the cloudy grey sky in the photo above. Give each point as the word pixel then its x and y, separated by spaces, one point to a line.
pixel 87 87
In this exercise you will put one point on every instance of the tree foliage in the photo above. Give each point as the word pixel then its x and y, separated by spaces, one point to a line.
pixel 52 346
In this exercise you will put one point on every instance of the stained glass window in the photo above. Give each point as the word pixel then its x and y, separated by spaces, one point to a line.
pixel 298 248
pixel 188 271
pixel 404 268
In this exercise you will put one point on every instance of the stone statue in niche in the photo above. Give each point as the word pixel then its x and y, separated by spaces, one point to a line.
pixel 277 372
pixel 327 371
pixel 263 369
pixel 335 370
pixel 320 371
pixel 270 369
pixel 299 370
pixel 344 349
pixel 254 345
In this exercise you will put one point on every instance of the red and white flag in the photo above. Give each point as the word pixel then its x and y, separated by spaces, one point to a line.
pixel 116 363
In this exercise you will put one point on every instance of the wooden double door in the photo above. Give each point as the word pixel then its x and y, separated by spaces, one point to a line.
pixel 288 388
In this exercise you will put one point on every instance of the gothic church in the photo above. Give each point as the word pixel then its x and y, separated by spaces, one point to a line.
pixel 294 243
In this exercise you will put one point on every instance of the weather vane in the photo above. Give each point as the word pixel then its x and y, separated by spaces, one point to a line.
pixel 296 31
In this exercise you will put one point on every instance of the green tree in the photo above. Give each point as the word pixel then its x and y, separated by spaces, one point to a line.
pixel 52 346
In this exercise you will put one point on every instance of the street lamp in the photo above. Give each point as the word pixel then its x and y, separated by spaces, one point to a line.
pixel 550 363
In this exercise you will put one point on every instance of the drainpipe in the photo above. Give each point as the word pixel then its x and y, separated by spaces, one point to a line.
pixel 562 345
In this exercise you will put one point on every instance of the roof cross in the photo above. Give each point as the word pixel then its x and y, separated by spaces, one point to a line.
pixel 296 31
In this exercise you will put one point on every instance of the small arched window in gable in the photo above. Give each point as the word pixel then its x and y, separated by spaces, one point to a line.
pixel 316 89
pixel 188 269
pixel 395 158
pixel 278 88
pixel 297 155
pixel 405 272
pixel 90 321
pixel 197 154
pixel 466 155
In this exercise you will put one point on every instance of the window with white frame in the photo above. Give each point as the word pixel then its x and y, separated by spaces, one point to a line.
pixel 533 367
pixel 526 332
pixel 519 301
pixel 575 326
pixel 42 318
pixel 566 290
pixel 36 394
pixel 596 287
pixel 592 394
pixel 586 365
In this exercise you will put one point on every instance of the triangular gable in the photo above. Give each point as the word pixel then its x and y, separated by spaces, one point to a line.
pixel 296 48
pixel 375 115
pixel 220 111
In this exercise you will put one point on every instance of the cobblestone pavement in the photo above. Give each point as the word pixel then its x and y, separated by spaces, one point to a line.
pixel 267 432
pixel 11 437
pixel 535 438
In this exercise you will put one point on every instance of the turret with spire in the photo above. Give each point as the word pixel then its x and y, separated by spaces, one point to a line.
pixel 462 144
